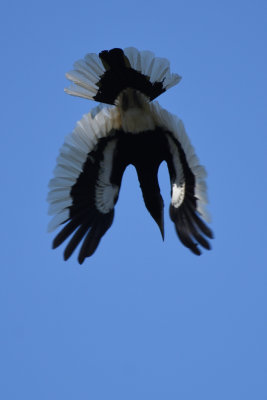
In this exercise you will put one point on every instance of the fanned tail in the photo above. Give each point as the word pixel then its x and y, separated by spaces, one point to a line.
pixel 103 77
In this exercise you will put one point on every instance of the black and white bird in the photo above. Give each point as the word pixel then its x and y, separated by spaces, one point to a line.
pixel 127 128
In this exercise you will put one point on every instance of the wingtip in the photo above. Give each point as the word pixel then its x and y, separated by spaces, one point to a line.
pixel 161 228
pixel 160 224
pixel 81 260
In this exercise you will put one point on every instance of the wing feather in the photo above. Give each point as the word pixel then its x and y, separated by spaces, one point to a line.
pixel 82 195
pixel 189 189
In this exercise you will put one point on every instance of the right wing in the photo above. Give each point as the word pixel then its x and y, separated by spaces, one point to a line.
pixel 188 186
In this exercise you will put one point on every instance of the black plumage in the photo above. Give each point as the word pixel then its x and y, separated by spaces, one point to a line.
pixel 92 161
pixel 119 76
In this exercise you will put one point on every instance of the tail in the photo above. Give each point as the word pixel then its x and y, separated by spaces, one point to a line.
pixel 102 77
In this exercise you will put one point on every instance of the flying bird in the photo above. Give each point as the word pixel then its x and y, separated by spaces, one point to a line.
pixel 128 127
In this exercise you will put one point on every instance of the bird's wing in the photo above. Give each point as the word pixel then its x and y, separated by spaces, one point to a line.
pixel 188 185
pixel 82 193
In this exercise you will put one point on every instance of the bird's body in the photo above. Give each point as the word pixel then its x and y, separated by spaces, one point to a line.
pixel 134 131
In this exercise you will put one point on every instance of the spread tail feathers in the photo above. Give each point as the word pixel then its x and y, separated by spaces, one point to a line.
pixel 103 77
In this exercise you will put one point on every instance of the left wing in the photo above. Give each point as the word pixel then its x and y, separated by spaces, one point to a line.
pixel 84 189
pixel 188 186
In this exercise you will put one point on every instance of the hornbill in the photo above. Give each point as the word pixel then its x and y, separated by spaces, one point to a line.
pixel 127 128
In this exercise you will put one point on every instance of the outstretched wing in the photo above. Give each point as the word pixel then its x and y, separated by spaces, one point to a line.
pixel 188 186
pixel 83 191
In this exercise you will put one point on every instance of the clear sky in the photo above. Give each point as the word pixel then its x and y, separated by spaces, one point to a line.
pixel 141 319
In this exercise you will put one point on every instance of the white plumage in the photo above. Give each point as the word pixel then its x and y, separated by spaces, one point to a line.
pixel 105 193
pixel 173 124
pixel 158 69
pixel 87 72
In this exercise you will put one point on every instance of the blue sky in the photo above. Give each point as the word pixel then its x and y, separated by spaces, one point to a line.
pixel 141 318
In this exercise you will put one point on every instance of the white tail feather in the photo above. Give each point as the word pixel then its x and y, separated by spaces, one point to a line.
pixel 87 72
pixel 85 76
pixel 78 91
pixel 158 69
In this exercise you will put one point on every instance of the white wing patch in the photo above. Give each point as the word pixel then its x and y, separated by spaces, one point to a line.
pixel 178 187
pixel 173 124
pixel 73 154
pixel 178 193
pixel 106 193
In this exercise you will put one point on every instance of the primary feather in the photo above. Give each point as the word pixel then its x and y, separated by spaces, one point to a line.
pixel 127 128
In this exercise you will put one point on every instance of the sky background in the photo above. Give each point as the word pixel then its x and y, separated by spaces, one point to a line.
pixel 141 319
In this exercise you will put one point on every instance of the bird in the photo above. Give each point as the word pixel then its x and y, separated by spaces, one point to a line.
pixel 126 128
